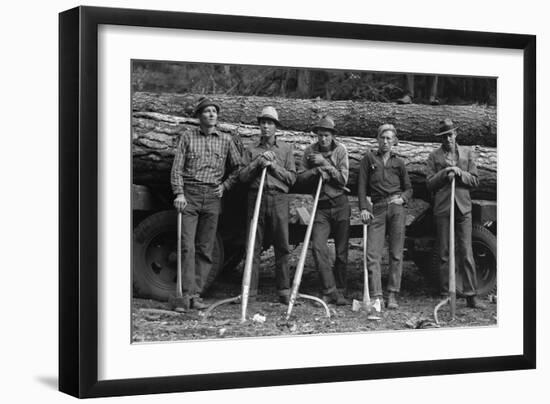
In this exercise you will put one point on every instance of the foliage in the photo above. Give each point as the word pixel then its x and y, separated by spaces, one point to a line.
pixel 204 78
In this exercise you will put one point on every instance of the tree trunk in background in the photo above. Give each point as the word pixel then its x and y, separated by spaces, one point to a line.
pixel 415 122
pixel 155 136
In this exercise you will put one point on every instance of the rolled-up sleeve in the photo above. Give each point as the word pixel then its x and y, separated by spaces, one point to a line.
pixel 362 185
pixel 235 164
pixel 176 174
pixel 286 173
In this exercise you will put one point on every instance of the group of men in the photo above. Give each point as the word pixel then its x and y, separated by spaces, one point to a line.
pixel 207 164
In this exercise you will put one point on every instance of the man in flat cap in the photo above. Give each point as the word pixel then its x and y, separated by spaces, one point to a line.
pixel 383 177
pixel 458 162
pixel 277 156
pixel 196 178
pixel 329 159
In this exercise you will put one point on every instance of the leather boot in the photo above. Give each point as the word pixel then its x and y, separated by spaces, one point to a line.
pixel 474 303
pixel 392 301
pixel 197 303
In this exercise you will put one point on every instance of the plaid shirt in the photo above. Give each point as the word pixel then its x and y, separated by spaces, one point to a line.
pixel 337 157
pixel 201 159
pixel 280 176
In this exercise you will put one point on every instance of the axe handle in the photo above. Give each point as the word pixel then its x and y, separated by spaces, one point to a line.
pixel 303 253
pixel 250 247
pixel 452 274
pixel 366 294
pixel 179 286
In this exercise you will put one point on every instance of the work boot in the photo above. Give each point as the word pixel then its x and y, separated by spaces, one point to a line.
pixel 339 299
pixel 474 303
pixel 392 301
pixel 197 303
pixel 284 299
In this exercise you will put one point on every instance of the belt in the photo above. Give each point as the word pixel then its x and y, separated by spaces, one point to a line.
pixel 385 199
pixel 332 202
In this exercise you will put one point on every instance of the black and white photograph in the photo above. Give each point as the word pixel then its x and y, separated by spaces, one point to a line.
pixel 280 201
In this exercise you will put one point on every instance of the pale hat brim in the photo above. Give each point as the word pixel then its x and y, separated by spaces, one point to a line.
pixel 446 131
pixel 270 117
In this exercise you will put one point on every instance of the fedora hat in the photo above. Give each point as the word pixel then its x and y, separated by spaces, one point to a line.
pixel 325 123
pixel 446 126
pixel 271 114
pixel 203 103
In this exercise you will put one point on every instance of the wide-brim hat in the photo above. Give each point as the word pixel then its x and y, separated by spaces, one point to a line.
pixel 446 126
pixel 203 103
pixel 325 123
pixel 271 114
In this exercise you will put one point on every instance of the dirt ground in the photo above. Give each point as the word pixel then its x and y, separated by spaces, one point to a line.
pixel 153 321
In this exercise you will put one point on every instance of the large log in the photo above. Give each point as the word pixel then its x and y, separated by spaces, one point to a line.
pixel 155 136
pixel 415 122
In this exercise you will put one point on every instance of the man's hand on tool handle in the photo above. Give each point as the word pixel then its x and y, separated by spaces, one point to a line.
pixel 323 173
pixel 262 162
pixel 452 171
pixel 366 216
pixel 317 159
pixel 180 202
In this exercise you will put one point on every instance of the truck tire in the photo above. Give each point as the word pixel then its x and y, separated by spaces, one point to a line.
pixel 155 257
pixel 484 245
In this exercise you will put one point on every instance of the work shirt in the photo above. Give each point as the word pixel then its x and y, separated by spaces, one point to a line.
pixel 438 182
pixel 201 159
pixel 280 176
pixel 380 181
pixel 336 156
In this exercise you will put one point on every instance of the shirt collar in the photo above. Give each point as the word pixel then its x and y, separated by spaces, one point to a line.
pixel 449 151
pixel 265 144
pixel 317 147
pixel 379 153
pixel 214 132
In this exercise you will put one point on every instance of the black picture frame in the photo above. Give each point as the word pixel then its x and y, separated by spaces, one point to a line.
pixel 78 200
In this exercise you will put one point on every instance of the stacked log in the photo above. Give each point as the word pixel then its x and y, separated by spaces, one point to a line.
pixel 414 122
pixel 155 136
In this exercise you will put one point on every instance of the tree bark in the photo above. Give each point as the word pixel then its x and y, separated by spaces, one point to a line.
pixel 415 122
pixel 155 136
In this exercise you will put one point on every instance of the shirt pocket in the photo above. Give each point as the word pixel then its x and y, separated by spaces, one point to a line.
pixel 217 160
pixel 394 172
pixel 192 162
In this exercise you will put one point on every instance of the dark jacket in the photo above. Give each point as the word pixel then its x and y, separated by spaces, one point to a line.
pixel 439 184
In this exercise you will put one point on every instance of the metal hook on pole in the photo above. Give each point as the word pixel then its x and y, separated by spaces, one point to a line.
pixel 301 262
pixel 247 275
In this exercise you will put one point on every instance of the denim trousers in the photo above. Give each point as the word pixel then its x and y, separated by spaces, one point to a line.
pixel 464 256
pixel 272 229
pixel 331 220
pixel 388 218
pixel 199 225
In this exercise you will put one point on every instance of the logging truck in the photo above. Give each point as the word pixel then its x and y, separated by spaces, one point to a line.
pixel 157 121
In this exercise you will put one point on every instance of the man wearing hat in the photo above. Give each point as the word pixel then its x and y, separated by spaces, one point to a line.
pixel 329 159
pixel 458 162
pixel 277 156
pixel 196 178
pixel 383 177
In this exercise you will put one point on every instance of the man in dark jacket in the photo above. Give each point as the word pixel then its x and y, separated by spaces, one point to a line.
pixel 458 162
pixel 277 156
pixel 329 159
pixel 383 177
